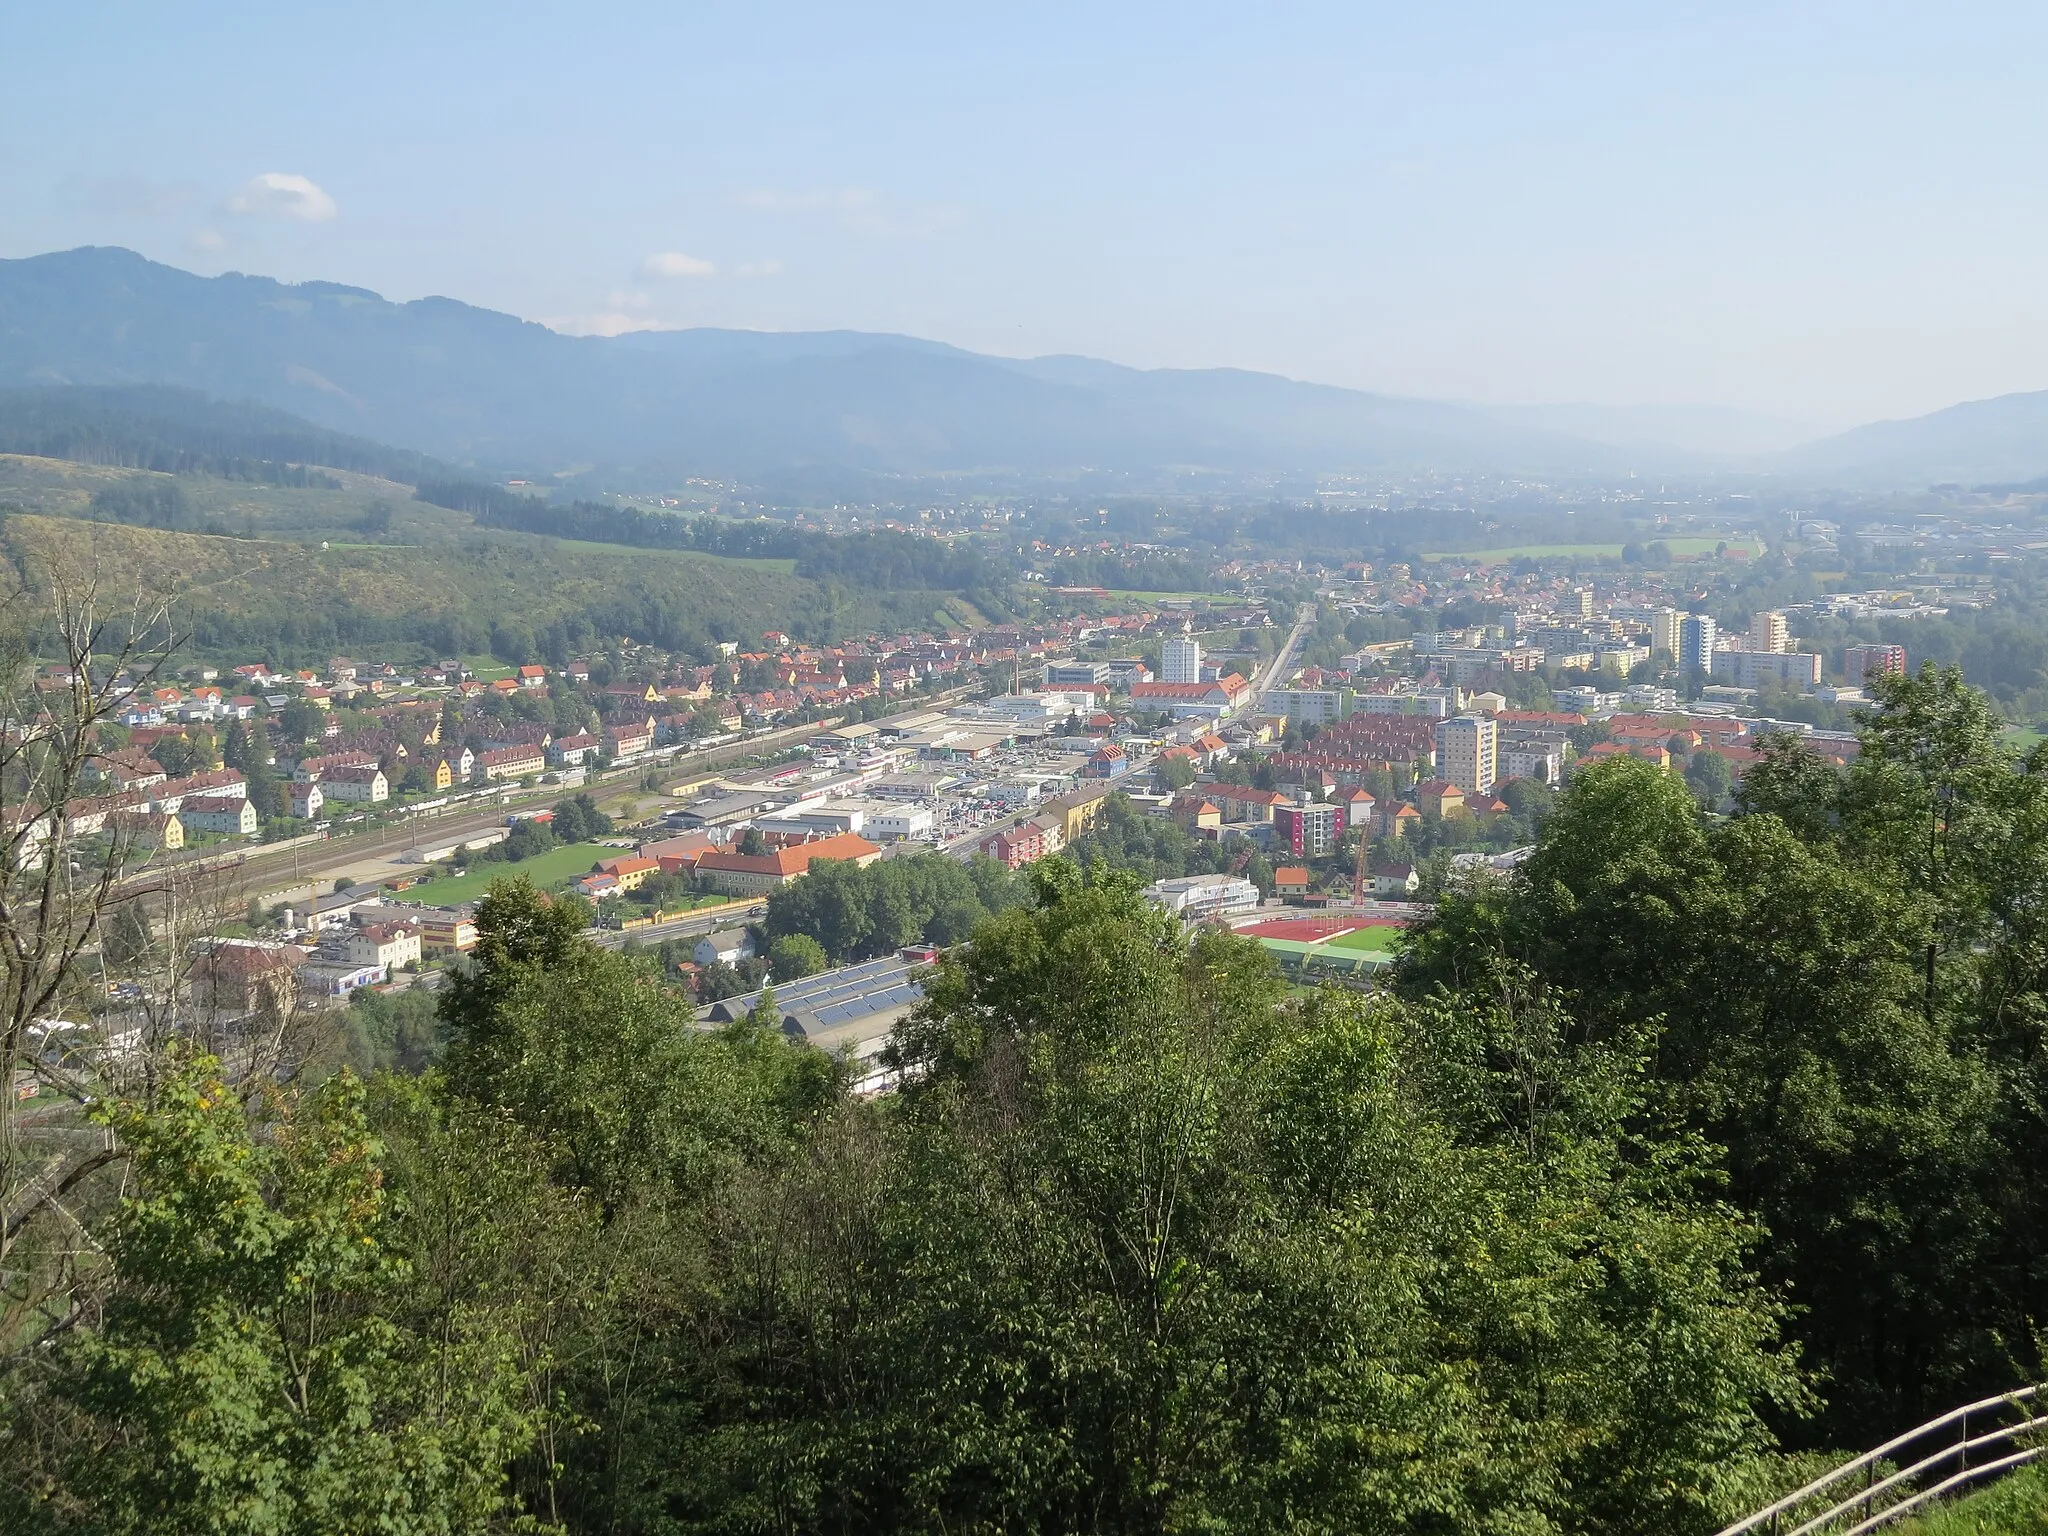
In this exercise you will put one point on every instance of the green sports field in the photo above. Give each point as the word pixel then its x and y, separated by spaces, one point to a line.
pixel 1374 940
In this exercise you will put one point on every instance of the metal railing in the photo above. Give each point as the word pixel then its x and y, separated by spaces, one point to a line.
pixel 1897 1493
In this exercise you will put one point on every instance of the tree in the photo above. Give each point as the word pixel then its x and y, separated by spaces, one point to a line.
pixel 751 843
pixel 301 722
pixel 235 750
pixel 264 791
pixel 1710 777
pixel 794 956
pixel 1173 773
pixel 253 1371
pixel 181 755
pixel 578 820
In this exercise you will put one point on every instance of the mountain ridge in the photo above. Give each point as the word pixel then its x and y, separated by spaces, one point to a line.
pixel 442 377
pixel 491 391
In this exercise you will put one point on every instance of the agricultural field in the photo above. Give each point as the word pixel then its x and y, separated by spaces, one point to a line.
pixel 1741 547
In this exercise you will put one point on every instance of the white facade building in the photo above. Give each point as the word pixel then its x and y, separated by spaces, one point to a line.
pixel 1468 752
pixel 1194 897
pixel 1180 661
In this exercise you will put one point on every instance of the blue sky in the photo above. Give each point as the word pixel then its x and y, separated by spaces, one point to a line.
pixel 1830 212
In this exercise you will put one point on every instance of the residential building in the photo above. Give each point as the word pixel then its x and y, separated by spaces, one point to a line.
pixel 1468 752
pixel 1440 798
pixel 1664 627
pixel 392 946
pixel 1195 897
pixel 1180 660
pixel 1769 632
pixel 246 976
pixel 573 751
pixel 1307 831
pixel 1074 813
pixel 509 763
pixel 1396 881
pixel 1397 821
pixel 311 770
pixel 624 738
pixel 1650 698
pixel 303 801
pixel 1542 761
pixel 1696 643
pixel 1108 761
pixel 148 829
pixel 1859 661
pixel 1311 706
pixel 533 677
pixel 1240 803
pixel 631 872
pixel 1016 846
pixel 357 785
pixel 729 946
pixel 1754 669
pixel 1291 882
pixel 741 874
pixel 219 813
pixel 445 932
pixel 1587 701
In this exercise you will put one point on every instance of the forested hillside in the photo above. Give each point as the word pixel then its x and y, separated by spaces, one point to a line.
pixel 519 598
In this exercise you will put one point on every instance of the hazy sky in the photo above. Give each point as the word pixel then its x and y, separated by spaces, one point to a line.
pixel 1827 211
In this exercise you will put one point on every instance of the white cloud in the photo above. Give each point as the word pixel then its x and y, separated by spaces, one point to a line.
pixel 675 264
pixel 764 268
pixel 623 311
pixel 604 322
pixel 287 196
pixel 208 239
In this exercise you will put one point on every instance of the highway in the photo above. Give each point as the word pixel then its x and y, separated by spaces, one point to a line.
pixel 1282 665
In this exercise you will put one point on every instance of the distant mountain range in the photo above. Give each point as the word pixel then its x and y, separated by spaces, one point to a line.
pixel 478 387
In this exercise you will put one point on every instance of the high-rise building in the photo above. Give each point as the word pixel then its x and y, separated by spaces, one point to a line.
pixel 1308 831
pixel 1180 661
pixel 1859 661
pixel 1468 752
pixel 1664 630
pixel 1769 632
pixel 1696 643
pixel 1579 603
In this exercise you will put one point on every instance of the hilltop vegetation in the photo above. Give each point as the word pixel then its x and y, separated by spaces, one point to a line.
pixel 519 597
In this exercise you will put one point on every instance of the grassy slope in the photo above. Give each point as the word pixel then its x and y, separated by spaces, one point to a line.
pixel 2017 1506
pixel 60 488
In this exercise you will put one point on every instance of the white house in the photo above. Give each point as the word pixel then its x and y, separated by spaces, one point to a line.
pixel 727 948
pixel 218 813
pixel 391 945
pixel 306 800
pixel 358 785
